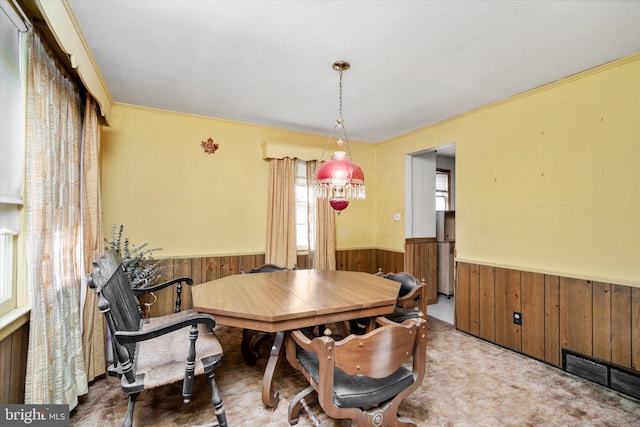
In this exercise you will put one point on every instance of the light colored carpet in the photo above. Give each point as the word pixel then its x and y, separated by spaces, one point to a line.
pixel 469 382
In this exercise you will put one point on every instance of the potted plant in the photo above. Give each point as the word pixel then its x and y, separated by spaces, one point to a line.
pixel 137 262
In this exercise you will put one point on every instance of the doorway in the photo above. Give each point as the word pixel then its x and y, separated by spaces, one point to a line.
pixel 430 178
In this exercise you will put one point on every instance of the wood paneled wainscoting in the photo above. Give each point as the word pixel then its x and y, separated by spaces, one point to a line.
pixel 205 269
pixel 598 320
pixel 421 260
pixel 13 365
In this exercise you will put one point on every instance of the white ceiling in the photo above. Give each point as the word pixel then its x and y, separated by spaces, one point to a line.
pixel 413 63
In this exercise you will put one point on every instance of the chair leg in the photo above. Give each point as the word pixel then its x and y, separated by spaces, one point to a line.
pixel 128 418
pixel 296 403
pixel 216 400
pixel 210 364
pixel 187 384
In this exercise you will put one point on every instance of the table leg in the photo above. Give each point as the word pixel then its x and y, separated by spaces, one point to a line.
pixel 269 396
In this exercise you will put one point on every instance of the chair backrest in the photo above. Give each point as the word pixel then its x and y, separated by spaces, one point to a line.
pixel 361 377
pixel 267 268
pixel 379 353
pixel 115 297
pixel 407 282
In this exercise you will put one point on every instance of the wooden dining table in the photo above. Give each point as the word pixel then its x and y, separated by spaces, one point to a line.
pixel 287 300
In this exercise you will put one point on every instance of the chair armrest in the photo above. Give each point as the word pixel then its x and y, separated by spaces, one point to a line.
pixel 301 340
pixel 414 295
pixel 179 280
pixel 146 290
pixel 127 337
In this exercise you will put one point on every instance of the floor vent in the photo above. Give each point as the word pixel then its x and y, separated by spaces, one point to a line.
pixel 601 372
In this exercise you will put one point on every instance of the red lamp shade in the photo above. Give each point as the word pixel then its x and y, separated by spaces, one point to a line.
pixel 338 180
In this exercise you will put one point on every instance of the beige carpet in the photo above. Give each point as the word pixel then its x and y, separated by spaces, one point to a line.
pixel 469 382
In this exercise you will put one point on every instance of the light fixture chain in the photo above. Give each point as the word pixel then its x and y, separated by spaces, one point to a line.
pixel 340 97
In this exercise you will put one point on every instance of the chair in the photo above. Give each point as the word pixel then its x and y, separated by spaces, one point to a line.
pixel 267 268
pixel 411 296
pixel 152 352
pixel 252 339
pixel 361 377
pixel 412 300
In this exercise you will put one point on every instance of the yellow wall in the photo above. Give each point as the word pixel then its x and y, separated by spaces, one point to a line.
pixel 546 181
pixel 167 191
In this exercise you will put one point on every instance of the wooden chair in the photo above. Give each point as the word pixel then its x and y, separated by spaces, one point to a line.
pixel 152 352
pixel 252 339
pixel 412 297
pixel 411 302
pixel 360 377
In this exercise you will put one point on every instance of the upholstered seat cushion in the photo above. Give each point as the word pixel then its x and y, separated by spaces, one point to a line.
pixel 359 391
pixel 154 356
pixel 400 314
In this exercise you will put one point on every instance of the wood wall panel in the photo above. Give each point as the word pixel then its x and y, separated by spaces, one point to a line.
pixel 462 302
pixel 576 315
pixel 487 302
pixel 302 263
pixel 363 260
pixel 394 261
pixel 620 325
pixel 602 321
pixel 210 269
pixel 596 319
pixel 421 260
pixel 552 352
pixel 474 300
pixel 635 329
pixel 13 366
pixel 507 300
pixel 532 302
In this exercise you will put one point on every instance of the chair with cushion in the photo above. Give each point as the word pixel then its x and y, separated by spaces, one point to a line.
pixel 268 268
pixel 361 377
pixel 152 352
pixel 251 339
pixel 412 300
pixel 412 297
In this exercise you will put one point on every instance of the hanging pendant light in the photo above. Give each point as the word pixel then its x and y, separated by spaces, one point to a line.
pixel 339 179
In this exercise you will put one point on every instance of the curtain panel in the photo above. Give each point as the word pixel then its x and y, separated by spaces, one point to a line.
pixel 93 332
pixel 322 225
pixel 281 213
pixel 55 360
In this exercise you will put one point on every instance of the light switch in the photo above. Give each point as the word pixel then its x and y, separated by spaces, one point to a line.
pixel 396 216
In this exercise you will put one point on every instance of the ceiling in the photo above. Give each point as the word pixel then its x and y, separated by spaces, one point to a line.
pixel 413 63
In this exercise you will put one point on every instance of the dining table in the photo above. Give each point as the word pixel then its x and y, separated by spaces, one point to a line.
pixel 283 301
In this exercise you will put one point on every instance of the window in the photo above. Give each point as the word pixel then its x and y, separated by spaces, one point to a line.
pixel 7 273
pixel 442 190
pixel 12 111
pixel 304 193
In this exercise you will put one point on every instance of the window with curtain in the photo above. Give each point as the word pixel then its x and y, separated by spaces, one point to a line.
pixel 55 361
pixel 294 220
pixel 302 208
pixel 12 111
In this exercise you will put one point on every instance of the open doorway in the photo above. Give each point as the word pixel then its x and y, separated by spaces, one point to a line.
pixel 430 205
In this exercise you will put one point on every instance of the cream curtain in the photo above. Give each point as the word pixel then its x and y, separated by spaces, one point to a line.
pixel 93 332
pixel 55 360
pixel 281 213
pixel 322 221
